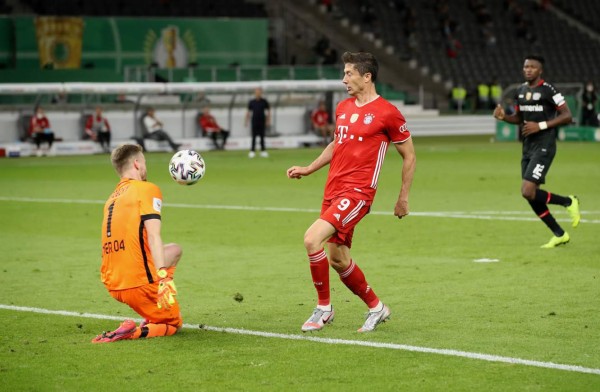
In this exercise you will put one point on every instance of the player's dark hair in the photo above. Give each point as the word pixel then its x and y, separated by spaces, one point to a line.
pixel 537 58
pixel 363 62
pixel 121 155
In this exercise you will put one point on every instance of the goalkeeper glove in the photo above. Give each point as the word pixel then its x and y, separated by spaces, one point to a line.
pixel 166 290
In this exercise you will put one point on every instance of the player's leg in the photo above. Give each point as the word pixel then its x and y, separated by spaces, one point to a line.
pixel 535 165
pixel 107 138
pixel 535 171
pixel 252 152
pixel 104 139
pixel 100 139
pixel 224 135
pixel 50 139
pixel 353 277
pixel 345 213
pixel 263 149
pixel 213 136
pixel 37 139
pixel 158 322
pixel 571 203
pixel 314 238
pixel 351 274
pixel 163 135
pixel 528 191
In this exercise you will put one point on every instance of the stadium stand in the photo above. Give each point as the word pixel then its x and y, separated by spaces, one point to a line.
pixel 424 47
pixel 486 45
pixel 587 12
pixel 183 8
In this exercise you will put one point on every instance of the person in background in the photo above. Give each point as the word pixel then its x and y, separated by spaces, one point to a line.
pixel 458 98
pixel 40 131
pixel 539 110
pixel 483 96
pixel 153 130
pixel 209 124
pixel 366 124
pixel 589 99
pixel 137 268
pixel 98 129
pixel 259 113
pixel 320 122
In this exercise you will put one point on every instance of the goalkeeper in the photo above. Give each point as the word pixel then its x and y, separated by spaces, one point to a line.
pixel 137 269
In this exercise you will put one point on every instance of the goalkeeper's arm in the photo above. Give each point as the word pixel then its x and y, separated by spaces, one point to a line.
pixel 166 286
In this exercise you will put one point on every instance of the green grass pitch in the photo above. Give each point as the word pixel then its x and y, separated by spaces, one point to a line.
pixel 241 230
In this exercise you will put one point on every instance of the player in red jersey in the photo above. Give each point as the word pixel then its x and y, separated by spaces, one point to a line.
pixel 365 125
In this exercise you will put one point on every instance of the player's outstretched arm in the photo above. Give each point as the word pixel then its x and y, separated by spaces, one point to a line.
pixel 409 162
pixel 298 172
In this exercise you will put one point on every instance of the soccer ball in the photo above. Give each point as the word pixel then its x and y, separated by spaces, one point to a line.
pixel 187 167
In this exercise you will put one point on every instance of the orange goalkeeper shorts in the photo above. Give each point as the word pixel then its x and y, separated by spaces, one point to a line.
pixel 143 301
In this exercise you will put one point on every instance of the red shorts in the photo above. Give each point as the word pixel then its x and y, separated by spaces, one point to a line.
pixel 143 301
pixel 344 213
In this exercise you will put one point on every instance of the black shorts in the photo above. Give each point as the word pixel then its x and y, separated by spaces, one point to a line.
pixel 536 161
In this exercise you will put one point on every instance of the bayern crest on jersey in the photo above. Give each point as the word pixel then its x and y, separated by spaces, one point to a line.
pixel 368 118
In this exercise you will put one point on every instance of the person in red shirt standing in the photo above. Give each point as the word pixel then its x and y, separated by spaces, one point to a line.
pixel 320 122
pixel 39 130
pixel 209 124
pixel 98 129
pixel 365 125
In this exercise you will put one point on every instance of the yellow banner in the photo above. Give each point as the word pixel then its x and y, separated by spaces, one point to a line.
pixel 59 41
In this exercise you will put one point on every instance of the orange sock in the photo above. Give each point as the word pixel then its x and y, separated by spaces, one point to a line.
pixel 154 330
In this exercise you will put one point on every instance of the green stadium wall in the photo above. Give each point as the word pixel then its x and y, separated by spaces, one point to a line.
pixel 109 44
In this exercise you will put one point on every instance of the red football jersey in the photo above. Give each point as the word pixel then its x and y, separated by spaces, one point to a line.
pixel 38 124
pixel 208 122
pixel 320 117
pixel 362 136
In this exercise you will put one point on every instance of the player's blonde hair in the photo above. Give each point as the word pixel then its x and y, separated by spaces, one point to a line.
pixel 122 156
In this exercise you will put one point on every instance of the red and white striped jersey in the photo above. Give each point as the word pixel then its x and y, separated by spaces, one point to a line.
pixel 362 136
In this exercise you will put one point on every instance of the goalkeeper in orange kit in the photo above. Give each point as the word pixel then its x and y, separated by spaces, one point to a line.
pixel 137 269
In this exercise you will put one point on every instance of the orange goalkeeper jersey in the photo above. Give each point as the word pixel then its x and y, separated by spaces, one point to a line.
pixel 126 258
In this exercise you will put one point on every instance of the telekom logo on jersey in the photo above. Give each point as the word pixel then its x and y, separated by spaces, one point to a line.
pixel 342 131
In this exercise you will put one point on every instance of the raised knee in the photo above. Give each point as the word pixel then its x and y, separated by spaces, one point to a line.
pixel 527 194
pixel 311 243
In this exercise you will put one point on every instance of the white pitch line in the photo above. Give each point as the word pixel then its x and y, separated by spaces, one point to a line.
pixel 361 343
pixel 481 215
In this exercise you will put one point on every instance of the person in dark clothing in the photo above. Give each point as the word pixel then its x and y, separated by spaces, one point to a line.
pixel 260 113
pixel 589 99
pixel 540 109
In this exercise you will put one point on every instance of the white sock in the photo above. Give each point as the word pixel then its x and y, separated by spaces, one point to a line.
pixel 326 308
pixel 377 308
